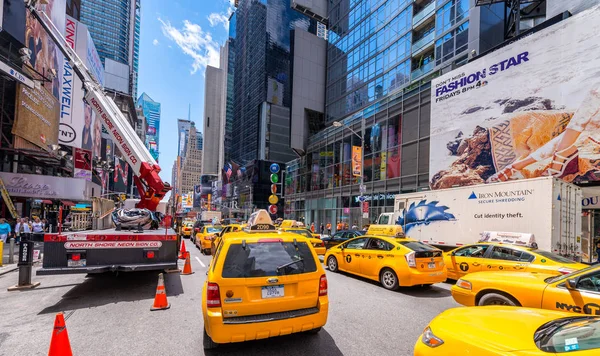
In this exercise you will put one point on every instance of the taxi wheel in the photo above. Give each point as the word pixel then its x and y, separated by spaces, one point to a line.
pixel 207 342
pixel 497 299
pixel 332 264
pixel 388 279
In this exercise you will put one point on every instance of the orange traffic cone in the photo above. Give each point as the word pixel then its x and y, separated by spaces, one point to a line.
pixel 187 268
pixel 160 300
pixel 182 250
pixel 59 344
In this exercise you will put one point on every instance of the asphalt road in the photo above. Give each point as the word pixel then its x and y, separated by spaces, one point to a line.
pixel 110 315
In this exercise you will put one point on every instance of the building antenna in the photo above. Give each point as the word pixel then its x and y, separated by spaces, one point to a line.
pixel 189 112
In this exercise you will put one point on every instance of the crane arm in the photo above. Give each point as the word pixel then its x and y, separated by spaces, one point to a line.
pixel 150 186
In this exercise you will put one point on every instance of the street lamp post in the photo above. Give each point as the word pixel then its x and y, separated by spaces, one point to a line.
pixel 362 152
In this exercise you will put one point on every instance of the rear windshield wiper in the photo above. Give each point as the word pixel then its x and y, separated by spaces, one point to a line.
pixel 289 264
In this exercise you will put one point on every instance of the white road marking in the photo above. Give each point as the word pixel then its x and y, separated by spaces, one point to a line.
pixel 201 263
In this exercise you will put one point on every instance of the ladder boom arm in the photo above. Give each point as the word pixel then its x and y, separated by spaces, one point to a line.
pixel 150 186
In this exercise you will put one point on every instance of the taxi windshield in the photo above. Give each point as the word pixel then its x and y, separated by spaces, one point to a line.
pixel 569 334
pixel 417 246
pixel 554 257
pixel 266 259
pixel 212 230
pixel 567 276
pixel 301 232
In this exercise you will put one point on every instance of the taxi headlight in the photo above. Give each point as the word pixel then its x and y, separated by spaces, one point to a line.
pixel 461 283
pixel 430 339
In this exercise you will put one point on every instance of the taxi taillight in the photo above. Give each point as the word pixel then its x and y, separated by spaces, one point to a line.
pixel 410 259
pixel 213 296
pixel 323 286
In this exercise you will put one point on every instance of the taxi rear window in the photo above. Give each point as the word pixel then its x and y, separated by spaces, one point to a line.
pixel 421 249
pixel 265 259
pixel 554 257
pixel 302 232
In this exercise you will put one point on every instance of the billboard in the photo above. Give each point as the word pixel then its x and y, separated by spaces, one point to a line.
pixel 83 164
pixel 36 118
pixel 78 125
pixel 526 110
pixel 187 201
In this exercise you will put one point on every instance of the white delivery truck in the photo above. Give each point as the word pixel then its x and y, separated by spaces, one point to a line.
pixel 211 216
pixel 549 208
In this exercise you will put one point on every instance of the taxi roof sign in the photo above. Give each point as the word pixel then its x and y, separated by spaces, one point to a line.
pixel 291 223
pixel 260 221
pixel 386 230
pixel 512 238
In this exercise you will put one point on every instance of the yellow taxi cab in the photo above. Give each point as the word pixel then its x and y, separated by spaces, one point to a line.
pixel 502 256
pixel 186 229
pixel 263 283
pixel 314 239
pixel 385 255
pixel 577 292
pixel 204 237
pixel 501 330
pixel 226 229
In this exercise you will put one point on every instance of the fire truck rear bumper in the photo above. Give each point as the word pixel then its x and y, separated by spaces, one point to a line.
pixel 107 268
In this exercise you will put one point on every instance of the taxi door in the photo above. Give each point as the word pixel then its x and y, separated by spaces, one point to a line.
pixel 375 256
pixel 465 260
pixel 352 254
pixel 505 258
pixel 584 299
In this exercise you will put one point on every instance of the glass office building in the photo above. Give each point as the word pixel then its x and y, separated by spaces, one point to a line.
pixel 381 58
pixel 261 37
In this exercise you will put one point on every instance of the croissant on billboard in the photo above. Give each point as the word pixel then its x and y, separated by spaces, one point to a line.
pixel 527 110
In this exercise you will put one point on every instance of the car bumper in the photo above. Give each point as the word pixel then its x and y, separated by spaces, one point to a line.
pixel 206 245
pixel 320 250
pixel 223 333
pixel 106 268
pixel 186 233
pixel 463 296
pixel 415 278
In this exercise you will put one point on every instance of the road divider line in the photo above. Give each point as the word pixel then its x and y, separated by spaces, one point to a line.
pixel 201 263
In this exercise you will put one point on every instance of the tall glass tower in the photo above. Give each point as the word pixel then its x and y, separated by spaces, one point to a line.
pixel 151 111
pixel 115 29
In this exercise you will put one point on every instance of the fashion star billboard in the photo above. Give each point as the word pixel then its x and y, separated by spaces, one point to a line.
pixel 529 109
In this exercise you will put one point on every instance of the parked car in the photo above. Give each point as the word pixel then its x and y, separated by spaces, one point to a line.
pixel 341 236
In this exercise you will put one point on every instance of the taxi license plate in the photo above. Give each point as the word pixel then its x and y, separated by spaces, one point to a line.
pixel 272 291
pixel 431 265
pixel 80 263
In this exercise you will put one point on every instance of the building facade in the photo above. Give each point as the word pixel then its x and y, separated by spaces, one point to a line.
pixel 381 58
pixel 151 110
pixel 191 164
pixel 261 36
pixel 114 26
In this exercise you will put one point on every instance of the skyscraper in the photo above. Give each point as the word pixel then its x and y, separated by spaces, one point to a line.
pixel 115 29
pixel 213 92
pixel 151 110
pixel 262 78
pixel 183 129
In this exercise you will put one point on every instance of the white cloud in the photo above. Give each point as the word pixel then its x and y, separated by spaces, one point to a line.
pixel 218 18
pixel 155 42
pixel 194 42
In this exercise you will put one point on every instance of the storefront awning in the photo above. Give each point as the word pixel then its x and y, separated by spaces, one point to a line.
pixel 47 202
pixel 67 203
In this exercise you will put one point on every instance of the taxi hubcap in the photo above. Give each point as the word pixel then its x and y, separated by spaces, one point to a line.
pixel 388 278
pixel 332 264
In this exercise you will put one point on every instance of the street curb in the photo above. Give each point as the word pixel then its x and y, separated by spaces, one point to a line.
pixel 7 269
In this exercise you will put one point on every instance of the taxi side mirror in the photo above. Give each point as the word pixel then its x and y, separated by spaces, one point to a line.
pixel 341 247
pixel 571 283
pixel 453 253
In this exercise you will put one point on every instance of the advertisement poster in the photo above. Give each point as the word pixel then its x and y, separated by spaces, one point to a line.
pixel 120 175
pixel 45 55
pixel 527 110
pixel 187 201
pixel 197 196
pixel 78 124
pixel 356 161
pixel 83 163
pixel 36 116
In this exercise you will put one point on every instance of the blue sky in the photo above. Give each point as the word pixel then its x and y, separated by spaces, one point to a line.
pixel 178 39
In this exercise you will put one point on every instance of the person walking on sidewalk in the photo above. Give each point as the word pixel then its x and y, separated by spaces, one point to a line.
pixel 23 230
pixel 4 230
pixel 38 229
pixel 329 228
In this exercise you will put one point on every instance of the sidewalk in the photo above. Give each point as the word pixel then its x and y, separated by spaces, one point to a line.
pixel 5 268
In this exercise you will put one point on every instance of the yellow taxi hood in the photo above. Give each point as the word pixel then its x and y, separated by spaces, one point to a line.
pixel 500 328
pixel 507 277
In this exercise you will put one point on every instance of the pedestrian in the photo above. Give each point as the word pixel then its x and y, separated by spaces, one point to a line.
pixel 338 226
pixel 329 228
pixel 312 228
pixel 45 224
pixel 38 229
pixel 4 230
pixel 322 228
pixel 355 226
pixel 23 230
pixel 346 226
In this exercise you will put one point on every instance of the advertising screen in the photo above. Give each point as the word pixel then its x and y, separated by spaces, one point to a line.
pixel 527 110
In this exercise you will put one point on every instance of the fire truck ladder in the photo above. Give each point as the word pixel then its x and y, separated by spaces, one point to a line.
pixel 7 200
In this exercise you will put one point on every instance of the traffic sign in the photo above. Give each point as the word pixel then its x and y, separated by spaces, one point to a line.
pixel 274 168
pixel 365 207
pixel 274 188
pixel 273 209
pixel 363 188
pixel 274 178
pixel 273 199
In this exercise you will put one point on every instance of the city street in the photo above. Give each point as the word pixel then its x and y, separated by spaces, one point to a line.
pixel 110 315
